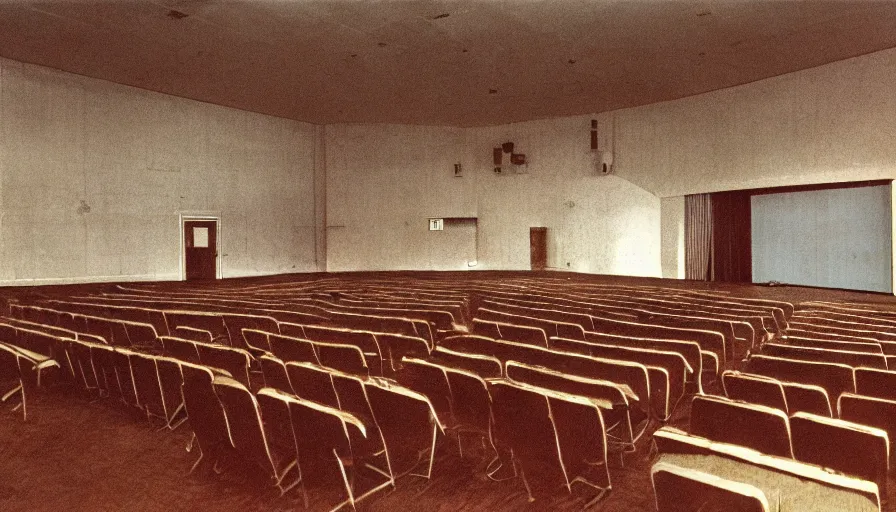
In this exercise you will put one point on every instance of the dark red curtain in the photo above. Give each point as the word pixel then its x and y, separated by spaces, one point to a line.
pixel 731 237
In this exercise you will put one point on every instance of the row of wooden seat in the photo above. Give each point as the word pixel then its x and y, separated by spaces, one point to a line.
pixel 852 448
pixel 787 485
pixel 598 357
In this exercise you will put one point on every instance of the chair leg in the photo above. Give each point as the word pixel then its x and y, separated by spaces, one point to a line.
pixel 345 481
pixel 526 485
pixel 195 464
pixel 432 454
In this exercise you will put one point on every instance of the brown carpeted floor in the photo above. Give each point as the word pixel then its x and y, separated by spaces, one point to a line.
pixel 75 454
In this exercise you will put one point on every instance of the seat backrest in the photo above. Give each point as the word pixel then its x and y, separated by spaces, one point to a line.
pixel 605 393
pixel 191 333
pixel 180 348
pixel 757 389
pixel 407 421
pixel 807 398
pixel 677 366
pixel 235 323
pixel 204 411
pixel 365 340
pixel 708 340
pixel 485 329
pixel 428 379
pixel 342 357
pixel 679 489
pixel 813 339
pixel 527 334
pixel 211 322
pixel 581 437
pixel 871 411
pixel 470 400
pixel 487 367
pixel 523 426
pixel 277 423
pixel 689 350
pixel 668 371
pixel 171 380
pixel 235 361
pixel 822 354
pixel 140 333
pixel 398 346
pixel 323 436
pixel 634 375
pixel 841 445
pixel 835 378
pixel 352 398
pixel 753 426
pixel 312 382
pixel 274 372
pixel 289 349
pixel 256 340
pixel 877 383
pixel 244 422
pixel 148 384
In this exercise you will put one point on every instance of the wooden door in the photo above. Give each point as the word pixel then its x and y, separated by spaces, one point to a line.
pixel 538 248
pixel 200 249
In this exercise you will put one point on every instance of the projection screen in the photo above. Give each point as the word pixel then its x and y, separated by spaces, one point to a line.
pixel 837 238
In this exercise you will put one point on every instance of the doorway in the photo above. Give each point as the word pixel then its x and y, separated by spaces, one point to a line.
pixel 200 248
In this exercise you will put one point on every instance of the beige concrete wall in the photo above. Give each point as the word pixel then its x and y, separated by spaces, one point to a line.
pixel 672 246
pixel 828 124
pixel 384 182
pixel 95 176
pixel 596 224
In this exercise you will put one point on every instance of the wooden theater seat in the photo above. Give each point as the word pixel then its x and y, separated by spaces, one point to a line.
pixel 740 423
pixel 875 382
pixel 486 367
pixel 851 448
pixel 681 489
pixel 247 432
pixel 617 401
pixel 204 412
pixel 552 436
pixel 835 378
pixel 790 485
pixel 633 375
pixel 510 332
pixel 408 423
pixel 275 374
pixel 312 382
pixel 757 389
pixel 807 398
pixel 828 355
pixel 676 367
pixel 871 411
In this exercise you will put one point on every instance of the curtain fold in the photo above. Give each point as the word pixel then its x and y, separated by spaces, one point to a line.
pixel 698 236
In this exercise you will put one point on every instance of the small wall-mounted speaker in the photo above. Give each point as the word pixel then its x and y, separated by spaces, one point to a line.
pixel 603 162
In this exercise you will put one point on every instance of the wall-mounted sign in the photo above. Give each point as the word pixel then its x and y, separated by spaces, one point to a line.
pixel 436 224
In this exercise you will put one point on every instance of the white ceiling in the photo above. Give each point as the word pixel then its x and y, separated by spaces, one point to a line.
pixel 462 63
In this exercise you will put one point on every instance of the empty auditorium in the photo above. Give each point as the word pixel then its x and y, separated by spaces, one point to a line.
pixel 448 255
